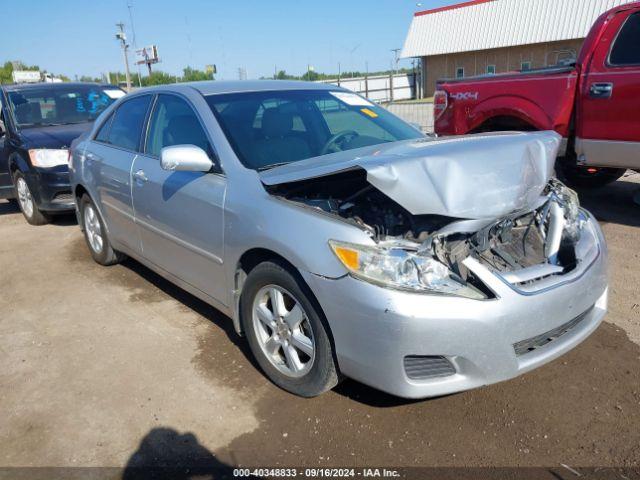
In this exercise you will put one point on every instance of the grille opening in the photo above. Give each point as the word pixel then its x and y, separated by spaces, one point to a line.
pixel 63 197
pixel 422 367
pixel 531 344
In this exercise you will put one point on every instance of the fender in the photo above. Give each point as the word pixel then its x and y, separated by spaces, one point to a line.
pixel 17 161
pixel 511 106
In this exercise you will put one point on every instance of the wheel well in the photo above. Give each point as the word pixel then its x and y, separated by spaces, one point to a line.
pixel 504 123
pixel 80 191
pixel 254 257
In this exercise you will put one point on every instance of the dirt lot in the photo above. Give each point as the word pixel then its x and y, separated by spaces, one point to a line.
pixel 115 366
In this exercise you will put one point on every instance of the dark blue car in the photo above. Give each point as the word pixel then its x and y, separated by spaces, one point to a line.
pixel 38 122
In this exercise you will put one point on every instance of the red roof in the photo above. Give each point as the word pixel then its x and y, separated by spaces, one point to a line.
pixel 452 7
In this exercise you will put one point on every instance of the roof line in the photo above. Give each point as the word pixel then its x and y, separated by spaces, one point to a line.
pixel 451 7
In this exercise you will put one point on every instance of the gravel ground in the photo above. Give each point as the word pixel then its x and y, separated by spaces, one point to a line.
pixel 115 366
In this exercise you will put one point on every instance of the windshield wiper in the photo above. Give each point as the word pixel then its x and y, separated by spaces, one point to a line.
pixel 273 165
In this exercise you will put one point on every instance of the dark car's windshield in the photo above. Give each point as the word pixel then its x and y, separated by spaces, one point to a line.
pixel 60 105
pixel 277 127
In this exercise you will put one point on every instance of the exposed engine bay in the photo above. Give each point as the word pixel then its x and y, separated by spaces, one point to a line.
pixel 519 242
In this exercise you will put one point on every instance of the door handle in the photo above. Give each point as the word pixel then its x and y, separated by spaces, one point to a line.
pixel 140 177
pixel 601 90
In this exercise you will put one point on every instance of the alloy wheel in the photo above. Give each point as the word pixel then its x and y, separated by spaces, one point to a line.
pixel 93 229
pixel 283 331
pixel 24 197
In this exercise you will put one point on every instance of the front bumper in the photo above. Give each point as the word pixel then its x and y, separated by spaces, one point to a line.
pixel 51 189
pixel 375 328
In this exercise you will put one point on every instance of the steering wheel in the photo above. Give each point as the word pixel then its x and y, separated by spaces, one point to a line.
pixel 336 139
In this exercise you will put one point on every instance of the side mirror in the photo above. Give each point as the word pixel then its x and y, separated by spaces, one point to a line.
pixel 185 158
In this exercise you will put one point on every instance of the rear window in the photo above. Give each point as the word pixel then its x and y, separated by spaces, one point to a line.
pixel 626 50
pixel 60 105
pixel 126 126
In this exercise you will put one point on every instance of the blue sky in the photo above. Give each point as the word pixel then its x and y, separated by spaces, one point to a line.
pixel 77 36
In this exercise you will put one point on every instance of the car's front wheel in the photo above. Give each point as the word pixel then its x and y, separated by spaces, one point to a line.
pixel 27 204
pixel 95 234
pixel 286 331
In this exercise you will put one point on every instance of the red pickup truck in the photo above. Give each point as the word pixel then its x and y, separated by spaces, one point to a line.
pixel 594 104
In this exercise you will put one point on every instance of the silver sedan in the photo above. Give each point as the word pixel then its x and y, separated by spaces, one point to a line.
pixel 339 239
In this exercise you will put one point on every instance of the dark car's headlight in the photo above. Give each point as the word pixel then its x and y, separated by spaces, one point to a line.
pixel 48 158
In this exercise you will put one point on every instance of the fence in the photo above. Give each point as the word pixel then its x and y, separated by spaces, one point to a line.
pixel 381 88
pixel 418 113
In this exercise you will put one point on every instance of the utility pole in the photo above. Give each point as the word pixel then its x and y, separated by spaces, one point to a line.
pixel 135 44
pixel 123 43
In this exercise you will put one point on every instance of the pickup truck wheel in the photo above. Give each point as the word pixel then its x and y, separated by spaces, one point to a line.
pixel 588 177
pixel 95 234
pixel 27 204
pixel 286 331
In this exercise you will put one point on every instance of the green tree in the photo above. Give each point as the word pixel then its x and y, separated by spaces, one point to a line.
pixel 194 75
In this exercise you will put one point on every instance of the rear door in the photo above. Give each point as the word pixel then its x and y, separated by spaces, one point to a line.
pixel 609 111
pixel 109 158
pixel 180 215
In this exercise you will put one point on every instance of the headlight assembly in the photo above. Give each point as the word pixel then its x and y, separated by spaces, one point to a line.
pixel 48 158
pixel 397 268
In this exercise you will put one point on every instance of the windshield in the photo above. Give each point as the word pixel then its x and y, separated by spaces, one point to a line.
pixel 36 107
pixel 267 129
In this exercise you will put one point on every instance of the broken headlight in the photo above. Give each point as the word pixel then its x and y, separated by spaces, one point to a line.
pixel 401 269
pixel 570 203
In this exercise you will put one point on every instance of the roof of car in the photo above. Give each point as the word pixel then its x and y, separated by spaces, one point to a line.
pixel 27 86
pixel 217 87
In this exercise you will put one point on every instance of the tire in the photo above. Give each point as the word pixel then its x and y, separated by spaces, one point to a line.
pixel 27 204
pixel 315 370
pixel 95 234
pixel 588 177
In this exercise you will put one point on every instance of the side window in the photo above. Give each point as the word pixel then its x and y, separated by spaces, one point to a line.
pixel 126 126
pixel 174 123
pixel 626 50
pixel 103 133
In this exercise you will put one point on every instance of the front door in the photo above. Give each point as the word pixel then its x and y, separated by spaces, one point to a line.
pixel 6 187
pixel 180 215
pixel 609 119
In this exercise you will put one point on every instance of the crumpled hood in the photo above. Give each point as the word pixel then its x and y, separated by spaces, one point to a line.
pixel 472 177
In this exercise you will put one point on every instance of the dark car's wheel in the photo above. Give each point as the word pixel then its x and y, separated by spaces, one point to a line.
pixel 27 204
pixel 587 177
pixel 286 331
pixel 95 234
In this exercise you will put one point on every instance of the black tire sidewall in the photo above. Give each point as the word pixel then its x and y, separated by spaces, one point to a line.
pixel 323 374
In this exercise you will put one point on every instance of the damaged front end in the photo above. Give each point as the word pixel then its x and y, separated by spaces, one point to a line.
pixel 429 207
pixel 427 253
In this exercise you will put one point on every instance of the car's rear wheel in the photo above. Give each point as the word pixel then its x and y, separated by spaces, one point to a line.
pixel 287 332
pixel 27 204
pixel 95 234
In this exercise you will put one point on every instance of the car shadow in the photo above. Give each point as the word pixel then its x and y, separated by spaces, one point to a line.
pixel 614 203
pixel 200 307
pixel 164 453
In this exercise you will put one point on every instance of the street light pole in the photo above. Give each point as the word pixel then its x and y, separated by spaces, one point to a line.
pixel 123 42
